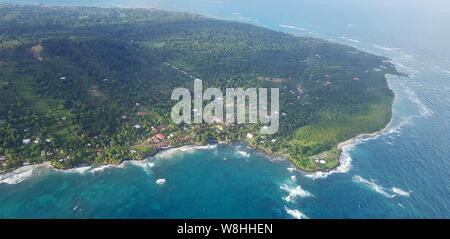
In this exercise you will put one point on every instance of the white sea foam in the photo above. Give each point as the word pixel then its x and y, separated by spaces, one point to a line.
pixel 89 169
pixel 294 27
pixel 345 159
pixel 401 192
pixel 161 181
pixel 396 130
pixel 424 111
pixel 243 154
pixel 350 40
pixel 383 48
pixel 143 164
pixel 26 172
pixel 387 192
pixel 293 178
pixel 188 148
pixel 247 19
pixel 95 169
pixel 294 192
pixel 291 169
pixel 18 175
pixel 79 170
pixel 295 213
pixel 371 184
pixel 345 162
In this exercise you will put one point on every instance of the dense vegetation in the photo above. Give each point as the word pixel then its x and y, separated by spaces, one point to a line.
pixel 93 85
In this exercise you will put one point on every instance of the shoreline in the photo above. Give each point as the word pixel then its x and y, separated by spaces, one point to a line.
pixel 326 171
pixel 207 145
pixel 369 135
pixel 85 167
pixel 346 164
pixel 374 134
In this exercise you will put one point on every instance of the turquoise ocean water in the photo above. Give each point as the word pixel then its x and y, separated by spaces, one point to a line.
pixel 402 173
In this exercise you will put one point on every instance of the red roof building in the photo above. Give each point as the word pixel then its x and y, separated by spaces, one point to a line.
pixel 141 113
pixel 356 78
pixel 155 130
pixel 155 139
pixel 160 136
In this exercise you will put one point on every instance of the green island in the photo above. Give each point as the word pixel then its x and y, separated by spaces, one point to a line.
pixel 84 85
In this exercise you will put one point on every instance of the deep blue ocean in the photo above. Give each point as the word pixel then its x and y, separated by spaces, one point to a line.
pixel 402 173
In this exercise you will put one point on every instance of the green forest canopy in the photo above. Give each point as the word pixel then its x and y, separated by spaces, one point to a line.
pixel 73 79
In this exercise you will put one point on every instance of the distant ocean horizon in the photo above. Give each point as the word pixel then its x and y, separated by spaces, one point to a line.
pixel 401 173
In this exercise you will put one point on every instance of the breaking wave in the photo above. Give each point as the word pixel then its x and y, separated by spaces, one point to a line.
pixel 294 192
pixel 21 174
pixel 350 40
pixel 144 164
pixel 291 169
pixel 345 161
pixel 423 110
pixel 401 192
pixel 243 154
pixel 88 168
pixel 383 48
pixel 293 27
pixel 295 213
pixel 387 192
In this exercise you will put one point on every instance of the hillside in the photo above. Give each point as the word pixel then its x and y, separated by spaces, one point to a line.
pixel 76 81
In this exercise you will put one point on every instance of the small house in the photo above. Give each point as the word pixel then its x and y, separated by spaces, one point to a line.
pixel 160 136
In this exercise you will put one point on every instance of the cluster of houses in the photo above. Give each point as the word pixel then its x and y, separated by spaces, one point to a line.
pixel 250 136
pixel 35 141
pixel 321 161
pixel 156 138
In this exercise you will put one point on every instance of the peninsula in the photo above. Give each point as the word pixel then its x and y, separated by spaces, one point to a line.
pixel 92 85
